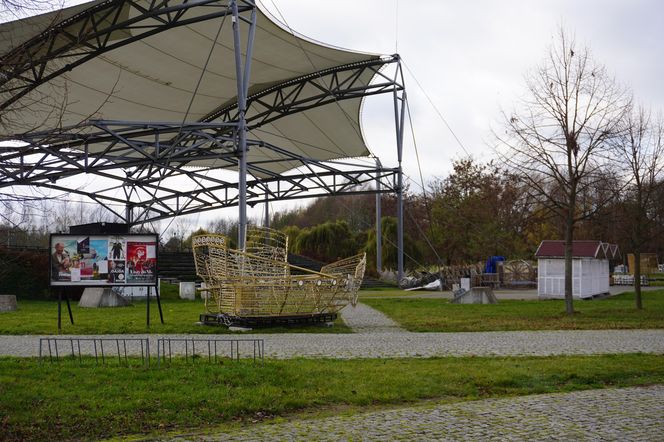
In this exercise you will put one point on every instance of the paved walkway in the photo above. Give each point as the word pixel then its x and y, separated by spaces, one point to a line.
pixel 518 294
pixel 400 345
pixel 364 319
pixel 611 414
pixel 377 336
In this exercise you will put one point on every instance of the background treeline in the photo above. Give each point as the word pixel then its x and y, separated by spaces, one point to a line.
pixel 479 210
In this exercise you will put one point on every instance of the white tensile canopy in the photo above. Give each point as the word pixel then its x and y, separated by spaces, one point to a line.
pixel 166 77
pixel 149 96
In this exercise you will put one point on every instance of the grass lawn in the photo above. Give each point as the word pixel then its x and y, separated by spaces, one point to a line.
pixel 387 292
pixel 66 401
pixel 439 315
pixel 180 316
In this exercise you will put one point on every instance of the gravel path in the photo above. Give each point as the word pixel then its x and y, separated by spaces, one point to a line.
pixel 384 345
pixel 364 319
pixel 610 414
pixel 515 294
pixel 377 336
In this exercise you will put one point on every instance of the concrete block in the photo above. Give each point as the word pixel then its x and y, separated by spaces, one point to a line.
pixel 477 295
pixel 95 297
pixel 188 290
pixel 7 303
pixel 205 295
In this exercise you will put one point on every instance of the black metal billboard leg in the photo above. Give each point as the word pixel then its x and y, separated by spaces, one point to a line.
pixel 59 310
pixel 71 317
pixel 161 315
pixel 147 320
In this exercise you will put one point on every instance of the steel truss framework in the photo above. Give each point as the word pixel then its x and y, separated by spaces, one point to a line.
pixel 146 161
pixel 105 27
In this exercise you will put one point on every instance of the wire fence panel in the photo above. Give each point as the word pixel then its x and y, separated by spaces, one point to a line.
pixel 103 351
pixel 131 352
pixel 210 350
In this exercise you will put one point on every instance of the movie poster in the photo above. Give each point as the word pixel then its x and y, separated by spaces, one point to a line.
pixel 116 248
pixel 103 259
pixel 79 259
pixel 116 272
pixel 141 262
pixel 64 254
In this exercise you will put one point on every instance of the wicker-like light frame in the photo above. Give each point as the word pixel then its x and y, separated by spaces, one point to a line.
pixel 259 282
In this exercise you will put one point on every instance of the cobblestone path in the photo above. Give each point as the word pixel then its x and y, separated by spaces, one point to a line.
pixel 635 414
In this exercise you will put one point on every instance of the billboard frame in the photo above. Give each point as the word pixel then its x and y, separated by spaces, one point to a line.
pixel 60 285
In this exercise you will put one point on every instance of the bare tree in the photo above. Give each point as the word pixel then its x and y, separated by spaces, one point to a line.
pixel 641 148
pixel 20 8
pixel 557 139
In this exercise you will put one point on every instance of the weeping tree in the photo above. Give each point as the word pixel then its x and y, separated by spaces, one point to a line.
pixel 327 242
pixel 557 138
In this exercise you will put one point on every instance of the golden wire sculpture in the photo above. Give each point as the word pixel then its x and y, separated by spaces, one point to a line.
pixel 259 282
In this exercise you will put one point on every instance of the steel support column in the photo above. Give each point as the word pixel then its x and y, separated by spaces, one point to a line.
pixel 379 225
pixel 399 117
pixel 242 72
pixel 129 214
pixel 267 210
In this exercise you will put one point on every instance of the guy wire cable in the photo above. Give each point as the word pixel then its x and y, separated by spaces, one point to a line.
pixel 191 102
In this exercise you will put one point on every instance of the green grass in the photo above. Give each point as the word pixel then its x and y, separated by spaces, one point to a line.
pixel 58 401
pixel 384 292
pixel 439 315
pixel 180 316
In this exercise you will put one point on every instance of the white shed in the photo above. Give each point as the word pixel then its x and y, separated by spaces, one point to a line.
pixel 590 268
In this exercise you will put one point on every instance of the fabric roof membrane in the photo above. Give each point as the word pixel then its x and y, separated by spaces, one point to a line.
pixel 154 79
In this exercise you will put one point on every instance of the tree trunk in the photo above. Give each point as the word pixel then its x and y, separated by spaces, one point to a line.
pixel 638 236
pixel 637 278
pixel 569 237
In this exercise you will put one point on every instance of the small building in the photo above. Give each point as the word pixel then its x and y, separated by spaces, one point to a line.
pixel 649 263
pixel 590 268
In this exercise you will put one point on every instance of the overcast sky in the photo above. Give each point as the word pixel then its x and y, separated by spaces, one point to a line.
pixel 470 58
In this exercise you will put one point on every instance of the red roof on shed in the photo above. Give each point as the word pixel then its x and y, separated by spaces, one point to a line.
pixel 580 249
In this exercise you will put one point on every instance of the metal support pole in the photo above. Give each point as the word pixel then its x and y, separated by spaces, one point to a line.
pixel 242 77
pixel 161 313
pixel 400 272
pixel 129 214
pixel 399 117
pixel 267 210
pixel 379 219
pixel 60 310
pixel 242 189
pixel 147 310
pixel 71 316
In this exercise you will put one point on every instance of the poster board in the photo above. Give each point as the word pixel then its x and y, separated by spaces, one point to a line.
pixel 103 260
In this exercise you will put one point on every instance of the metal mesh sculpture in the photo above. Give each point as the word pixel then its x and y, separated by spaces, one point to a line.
pixel 259 282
